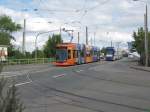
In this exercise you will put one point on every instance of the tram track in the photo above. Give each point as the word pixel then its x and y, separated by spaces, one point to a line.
pixel 105 79
pixel 72 96
pixel 42 89
pixel 77 100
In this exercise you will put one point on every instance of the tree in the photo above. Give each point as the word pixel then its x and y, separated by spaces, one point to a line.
pixel 40 54
pixel 7 27
pixel 50 46
pixel 139 43
pixel 4 38
pixel 103 50
pixel 28 55
pixel 139 40
pixel 16 54
pixel 9 101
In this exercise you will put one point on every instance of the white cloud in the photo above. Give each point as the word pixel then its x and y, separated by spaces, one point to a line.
pixel 118 17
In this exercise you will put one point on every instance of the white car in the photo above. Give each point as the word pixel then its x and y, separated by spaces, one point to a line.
pixel 134 55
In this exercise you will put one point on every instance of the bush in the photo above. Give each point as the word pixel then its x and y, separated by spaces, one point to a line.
pixel 9 101
pixel 1 66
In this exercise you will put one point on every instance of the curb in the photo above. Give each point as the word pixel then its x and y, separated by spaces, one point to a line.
pixel 138 68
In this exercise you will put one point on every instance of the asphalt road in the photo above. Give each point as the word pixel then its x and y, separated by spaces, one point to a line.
pixel 94 87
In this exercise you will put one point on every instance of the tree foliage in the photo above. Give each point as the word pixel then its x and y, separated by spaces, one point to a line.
pixel 50 46
pixel 139 40
pixel 40 54
pixel 139 43
pixel 16 54
pixel 103 50
pixel 4 38
pixel 7 27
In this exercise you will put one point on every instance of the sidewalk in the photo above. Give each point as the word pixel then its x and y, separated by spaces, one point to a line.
pixel 138 67
pixel 26 67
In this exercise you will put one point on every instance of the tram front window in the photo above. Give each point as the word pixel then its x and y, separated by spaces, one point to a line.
pixel 61 55
pixel 110 52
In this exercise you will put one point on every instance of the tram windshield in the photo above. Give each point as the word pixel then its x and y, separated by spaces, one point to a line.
pixel 110 52
pixel 61 55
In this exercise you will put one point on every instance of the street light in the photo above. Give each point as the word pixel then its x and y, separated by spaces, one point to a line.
pixel 146 34
pixel 24 30
pixel 40 33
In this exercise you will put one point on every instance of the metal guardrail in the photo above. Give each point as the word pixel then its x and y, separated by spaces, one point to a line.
pixel 28 61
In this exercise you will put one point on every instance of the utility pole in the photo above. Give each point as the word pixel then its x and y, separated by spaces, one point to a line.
pixel 86 35
pixel 91 41
pixel 146 35
pixel 94 38
pixel 23 39
pixel 78 37
pixel 111 43
pixel 60 31
pixel 146 38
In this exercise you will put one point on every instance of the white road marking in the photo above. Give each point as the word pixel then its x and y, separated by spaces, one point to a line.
pixel 9 76
pixel 19 84
pixel 79 71
pixel 20 73
pixel 43 70
pixel 16 72
pixel 23 83
pixel 13 74
pixel 61 75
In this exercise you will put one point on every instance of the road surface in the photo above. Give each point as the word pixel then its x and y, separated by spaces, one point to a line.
pixel 94 87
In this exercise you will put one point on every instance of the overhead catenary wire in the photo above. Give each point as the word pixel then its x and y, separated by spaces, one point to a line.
pixel 73 14
pixel 86 9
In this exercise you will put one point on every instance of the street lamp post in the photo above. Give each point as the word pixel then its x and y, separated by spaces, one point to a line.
pixel 23 40
pixel 40 33
pixel 146 39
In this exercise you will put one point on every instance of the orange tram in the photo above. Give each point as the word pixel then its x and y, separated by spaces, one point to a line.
pixel 72 53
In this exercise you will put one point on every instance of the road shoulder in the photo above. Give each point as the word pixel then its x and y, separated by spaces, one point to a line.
pixel 136 66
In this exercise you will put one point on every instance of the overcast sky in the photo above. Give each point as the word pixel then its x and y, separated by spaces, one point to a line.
pixel 111 20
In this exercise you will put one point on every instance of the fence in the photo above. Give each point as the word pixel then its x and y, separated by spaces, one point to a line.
pixel 28 61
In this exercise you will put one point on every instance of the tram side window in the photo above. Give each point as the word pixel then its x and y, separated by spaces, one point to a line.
pixel 88 54
pixel 74 54
pixel 77 53
pixel 82 53
pixel 95 53
pixel 69 54
pixel 91 53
